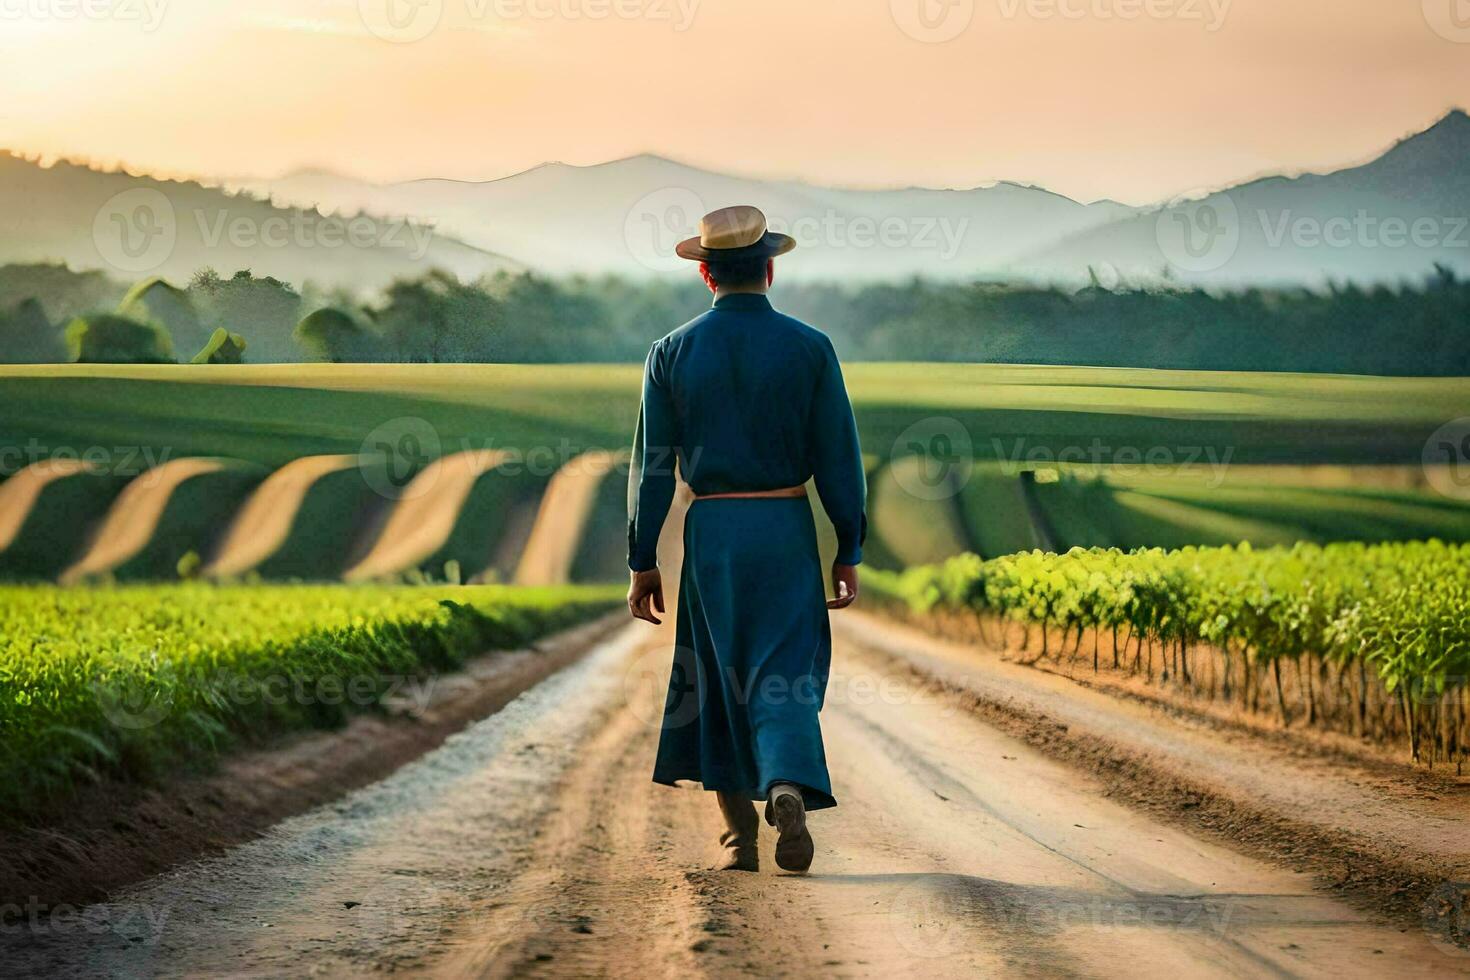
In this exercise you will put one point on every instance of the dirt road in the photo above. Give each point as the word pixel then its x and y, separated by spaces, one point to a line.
pixel 534 844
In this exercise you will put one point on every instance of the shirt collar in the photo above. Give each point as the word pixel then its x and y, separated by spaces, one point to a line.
pixel 753 302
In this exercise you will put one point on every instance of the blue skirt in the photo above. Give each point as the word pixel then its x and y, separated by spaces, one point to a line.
pixel 753 652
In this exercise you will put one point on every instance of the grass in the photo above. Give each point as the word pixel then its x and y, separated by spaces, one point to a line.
pixel 602 553
pixel 198 509
pixel 483 523
pixel 1016 417
pixel 995 513
pixel 50 528
pixel 322 537
pixel 274 413
pixel 1133 511
pixel 1125 509
pixel 906 528
pixel 131 682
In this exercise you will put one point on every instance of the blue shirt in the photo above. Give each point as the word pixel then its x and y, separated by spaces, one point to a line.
pixel 745 399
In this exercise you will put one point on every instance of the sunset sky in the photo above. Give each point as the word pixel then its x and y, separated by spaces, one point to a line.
pixel 1131 99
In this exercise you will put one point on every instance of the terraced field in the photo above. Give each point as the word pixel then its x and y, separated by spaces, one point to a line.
pixel 997 513
pixel 271 414
pixel 456 465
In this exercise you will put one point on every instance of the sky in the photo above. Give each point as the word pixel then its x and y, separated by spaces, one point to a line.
pixel 1136 100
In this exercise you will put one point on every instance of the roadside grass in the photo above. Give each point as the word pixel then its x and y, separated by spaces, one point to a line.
pixel 132 682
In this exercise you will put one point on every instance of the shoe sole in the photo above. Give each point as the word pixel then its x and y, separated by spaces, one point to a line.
pixel 794 845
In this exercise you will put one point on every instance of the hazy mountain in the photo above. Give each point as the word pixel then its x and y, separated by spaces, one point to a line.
pixel 625 217
pixel 137 227
pixel 1388 220
pixel 1385 221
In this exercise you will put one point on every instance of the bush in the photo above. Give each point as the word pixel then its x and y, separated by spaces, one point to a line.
pixel 105 338
pixel 330 335
pixel 223 348
pixel 28 337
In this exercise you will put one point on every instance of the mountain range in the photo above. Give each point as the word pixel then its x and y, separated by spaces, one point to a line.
pixel 1388 220
pixel 624 217
pixel 136 227
pixel 1385 221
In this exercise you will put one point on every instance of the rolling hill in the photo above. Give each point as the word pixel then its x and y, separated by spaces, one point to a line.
pixel 133 227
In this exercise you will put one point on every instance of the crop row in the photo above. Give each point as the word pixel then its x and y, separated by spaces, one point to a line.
pixel 1371 640
pixel 129 682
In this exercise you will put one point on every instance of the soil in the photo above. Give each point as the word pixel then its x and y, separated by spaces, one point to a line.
pixel 1387 835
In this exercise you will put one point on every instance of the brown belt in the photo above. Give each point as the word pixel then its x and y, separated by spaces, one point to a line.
pixel 784 492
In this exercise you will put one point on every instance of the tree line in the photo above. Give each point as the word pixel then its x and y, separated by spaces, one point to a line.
pixel 49 313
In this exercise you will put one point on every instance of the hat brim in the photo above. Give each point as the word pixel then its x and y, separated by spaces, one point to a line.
pixel 772 244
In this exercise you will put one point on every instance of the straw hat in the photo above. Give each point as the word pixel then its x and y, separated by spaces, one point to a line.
pixel 734 233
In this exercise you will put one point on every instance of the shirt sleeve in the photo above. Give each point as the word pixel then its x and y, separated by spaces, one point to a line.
pixel 837 462
pixel 651 476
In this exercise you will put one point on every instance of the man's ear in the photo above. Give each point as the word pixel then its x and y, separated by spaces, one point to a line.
pixel 770 272
pixel 709 280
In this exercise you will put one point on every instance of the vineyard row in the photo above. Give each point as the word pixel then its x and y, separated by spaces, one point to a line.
pixel 1368 640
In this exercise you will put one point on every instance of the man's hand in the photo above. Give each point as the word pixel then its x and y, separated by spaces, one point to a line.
pixel 645 594
pixel 844 586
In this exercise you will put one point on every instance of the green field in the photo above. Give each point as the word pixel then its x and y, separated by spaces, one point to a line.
pixel 1109 508
pixel 1128 511
pixel 1225 455
pixel 271 414
pixel 133 682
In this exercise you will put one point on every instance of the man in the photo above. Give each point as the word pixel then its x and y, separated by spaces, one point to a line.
pixel 752 405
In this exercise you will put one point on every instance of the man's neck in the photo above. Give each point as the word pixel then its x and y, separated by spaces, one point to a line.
pixel 722 292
